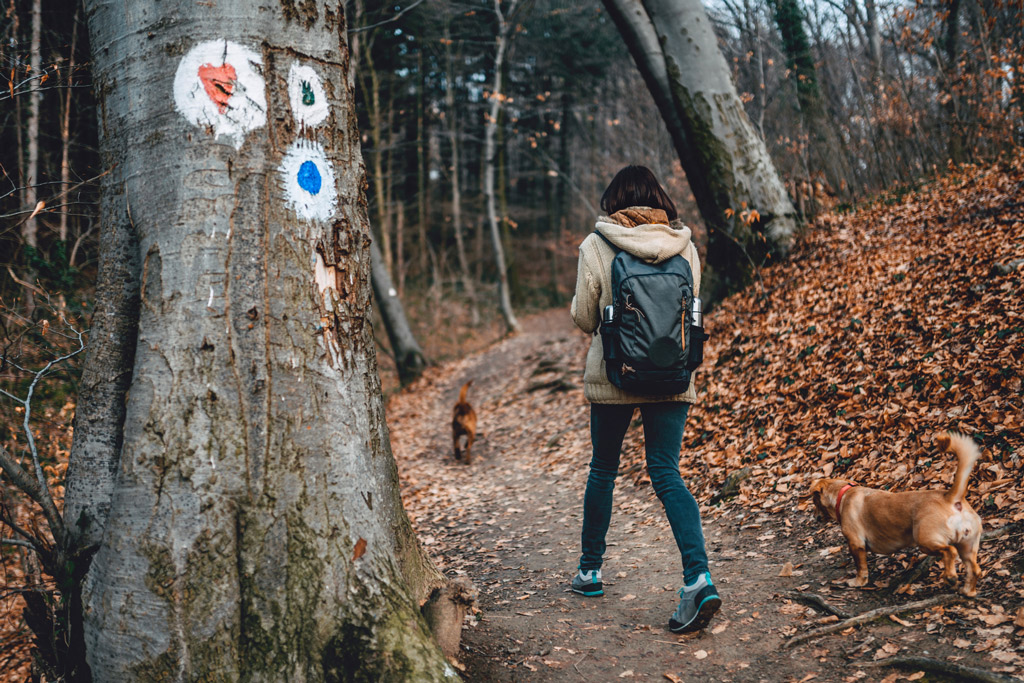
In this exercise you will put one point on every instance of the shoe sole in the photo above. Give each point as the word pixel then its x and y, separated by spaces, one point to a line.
pixel 589 594
pixel 707 609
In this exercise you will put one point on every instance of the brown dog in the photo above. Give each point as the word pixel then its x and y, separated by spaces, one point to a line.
pixel 464 424
pixel 936 521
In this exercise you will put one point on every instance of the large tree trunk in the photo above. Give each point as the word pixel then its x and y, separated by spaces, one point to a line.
pixel 726 163
pixel 254 529
pixel 490 149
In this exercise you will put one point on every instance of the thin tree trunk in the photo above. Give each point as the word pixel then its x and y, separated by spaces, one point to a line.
pixel 65 139
pixel 490 148
pixel 456 172
pixel 30 228
pixel 409 357
pixel 400 265
pixel 421 172
pixel 726 163
pixel 255 530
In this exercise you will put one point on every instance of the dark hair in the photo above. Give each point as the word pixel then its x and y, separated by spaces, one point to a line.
pixel 636 186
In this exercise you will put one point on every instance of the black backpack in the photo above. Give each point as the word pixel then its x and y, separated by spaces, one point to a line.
pixel 651 345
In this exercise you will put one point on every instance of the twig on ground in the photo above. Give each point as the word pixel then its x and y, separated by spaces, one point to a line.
pixel 576 665
pixel 818 602
pixel 958 671
pixel 870 615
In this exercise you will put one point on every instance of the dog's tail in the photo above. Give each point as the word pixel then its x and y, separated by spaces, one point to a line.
pixel 465 388
pixel 967 455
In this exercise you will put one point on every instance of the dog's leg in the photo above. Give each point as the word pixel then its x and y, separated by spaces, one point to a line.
pixel 860 559
pixel 938 547
pixel 469 445
pixel 458 452
pixel 968 551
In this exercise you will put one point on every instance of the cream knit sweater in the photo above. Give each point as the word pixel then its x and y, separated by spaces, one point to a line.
pixel 651 241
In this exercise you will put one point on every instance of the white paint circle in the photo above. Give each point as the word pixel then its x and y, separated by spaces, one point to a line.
pixel 307 95
pixel 308 179
pixel 219 84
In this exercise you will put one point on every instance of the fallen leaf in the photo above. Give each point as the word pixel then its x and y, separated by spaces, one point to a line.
pixel 624 598
pixel 887 650
pixel 719 627
pixel 916 676
pixel 787 569
pixel 962 643
pixel 1019 619
pixel 673 678
pixel 994 619
pixel 359 550
pixel 899 621
pixel 700 654
pixel 628 673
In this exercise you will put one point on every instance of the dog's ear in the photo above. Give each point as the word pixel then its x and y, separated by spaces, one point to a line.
pixel 816 499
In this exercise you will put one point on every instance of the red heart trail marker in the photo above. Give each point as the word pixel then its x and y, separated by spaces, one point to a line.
pixel 219 83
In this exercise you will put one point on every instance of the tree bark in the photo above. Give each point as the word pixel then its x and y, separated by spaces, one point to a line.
pixel 255 530
pixel 726 163
pixel 490 149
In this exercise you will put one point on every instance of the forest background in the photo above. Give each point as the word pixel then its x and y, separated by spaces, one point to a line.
pixel 851 98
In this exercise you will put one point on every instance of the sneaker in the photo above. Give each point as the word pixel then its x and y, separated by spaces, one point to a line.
pixel 699 602
pixel 588 583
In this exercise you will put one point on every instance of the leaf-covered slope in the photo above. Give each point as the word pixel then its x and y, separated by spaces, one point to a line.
pixel 886 327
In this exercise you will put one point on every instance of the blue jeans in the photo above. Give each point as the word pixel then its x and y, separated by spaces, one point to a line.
pixel 663 439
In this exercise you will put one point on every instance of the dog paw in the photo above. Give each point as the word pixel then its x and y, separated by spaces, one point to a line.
pixel 857 582
pixel 969 592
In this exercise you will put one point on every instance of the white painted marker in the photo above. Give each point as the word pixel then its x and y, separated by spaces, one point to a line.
pixel 307 95
pixel 218 84
pixel 308 178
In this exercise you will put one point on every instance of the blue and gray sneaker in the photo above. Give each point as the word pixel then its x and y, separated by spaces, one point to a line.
pixel 588 583
pixel 699 603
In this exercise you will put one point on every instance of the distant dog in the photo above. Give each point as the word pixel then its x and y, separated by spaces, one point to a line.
pixel 936 521
pixel 463 425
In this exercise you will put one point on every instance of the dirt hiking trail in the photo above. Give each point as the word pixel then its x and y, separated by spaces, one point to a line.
pixel 510 522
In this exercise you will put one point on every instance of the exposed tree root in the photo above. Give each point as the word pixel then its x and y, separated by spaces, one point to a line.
pixel 870 615
pixel 960 672
pixel 817 602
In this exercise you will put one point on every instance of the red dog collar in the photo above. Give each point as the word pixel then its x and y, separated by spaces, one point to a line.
pixel 839 499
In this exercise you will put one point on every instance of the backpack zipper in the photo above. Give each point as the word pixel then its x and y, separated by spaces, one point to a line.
pixel 628 305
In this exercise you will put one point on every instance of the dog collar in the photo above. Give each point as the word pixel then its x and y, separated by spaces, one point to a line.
pixel 839 499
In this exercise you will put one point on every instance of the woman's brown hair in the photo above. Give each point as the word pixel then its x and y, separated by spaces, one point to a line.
pixel 636 186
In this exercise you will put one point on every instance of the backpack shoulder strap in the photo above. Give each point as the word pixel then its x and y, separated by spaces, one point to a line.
pixel 607 241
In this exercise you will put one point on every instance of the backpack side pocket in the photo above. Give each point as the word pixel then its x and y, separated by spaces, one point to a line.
pixel 696 355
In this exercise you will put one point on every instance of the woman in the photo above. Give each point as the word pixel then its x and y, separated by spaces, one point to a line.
pixel 641 220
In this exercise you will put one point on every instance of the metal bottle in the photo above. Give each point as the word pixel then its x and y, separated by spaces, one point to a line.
pixel 697 313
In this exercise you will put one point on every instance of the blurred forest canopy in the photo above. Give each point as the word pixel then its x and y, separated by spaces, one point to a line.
pixel 851 96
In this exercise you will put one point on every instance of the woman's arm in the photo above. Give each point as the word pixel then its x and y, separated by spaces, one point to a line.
pixel 587 299
pixel 694 260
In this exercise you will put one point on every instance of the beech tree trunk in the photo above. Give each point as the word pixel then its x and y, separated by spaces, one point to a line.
pixel 490 150
pixel 726 163
pixel 254 529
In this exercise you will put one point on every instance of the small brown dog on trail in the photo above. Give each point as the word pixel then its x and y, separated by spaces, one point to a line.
pixel 939 522
pixel 464 424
